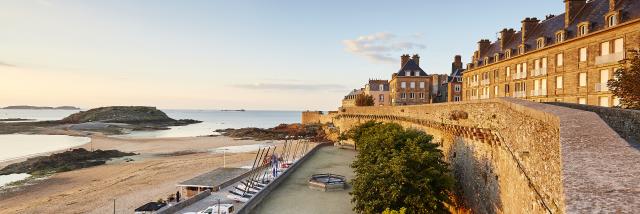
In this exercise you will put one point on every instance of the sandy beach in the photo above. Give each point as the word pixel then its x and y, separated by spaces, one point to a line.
pixel 162 163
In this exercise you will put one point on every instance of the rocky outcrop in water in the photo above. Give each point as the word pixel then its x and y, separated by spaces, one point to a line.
pixel 61 162
pixel 280 132
pixel 42 107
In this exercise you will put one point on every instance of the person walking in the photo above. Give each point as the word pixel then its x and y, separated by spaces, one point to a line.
pixel 178 196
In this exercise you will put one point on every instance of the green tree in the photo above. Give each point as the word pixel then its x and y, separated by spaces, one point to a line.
pixel 397 168
pixel 626 84
pixel 364 100
pixel 389 211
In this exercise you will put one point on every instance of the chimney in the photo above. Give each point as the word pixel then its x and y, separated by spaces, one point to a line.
pixel 505 35
pixel 528 25
pixel 404 59
pixel 483 46
pixel 572 8
pixel 416 59
pixel 457 63
pixel 612 4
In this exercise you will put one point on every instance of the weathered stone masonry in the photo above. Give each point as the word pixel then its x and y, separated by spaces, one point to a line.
pixel 508 155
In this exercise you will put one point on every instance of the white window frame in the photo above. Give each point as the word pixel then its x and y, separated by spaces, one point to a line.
pixel 583 54
pixel 559 59
pixel 559 82
pixel 412 84
pixel 403 84
pixel 421 84
pixel 582 79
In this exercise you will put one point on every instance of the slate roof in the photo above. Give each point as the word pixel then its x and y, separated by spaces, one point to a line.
pixel 215 178
pixel 594 11
pixel 455 73
pixel 374 85
pixel 412 66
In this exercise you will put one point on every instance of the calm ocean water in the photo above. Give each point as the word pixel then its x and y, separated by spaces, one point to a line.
pixel 16 146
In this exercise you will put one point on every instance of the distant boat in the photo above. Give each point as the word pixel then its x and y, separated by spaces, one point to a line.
pixel 232 110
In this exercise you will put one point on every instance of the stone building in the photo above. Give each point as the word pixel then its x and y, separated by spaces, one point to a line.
pixel 379 90
pixel 454 82
pixel 350 99
pixel 564 58
pixel 410 85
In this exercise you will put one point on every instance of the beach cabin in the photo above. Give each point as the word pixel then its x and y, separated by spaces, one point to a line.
pixel 213 180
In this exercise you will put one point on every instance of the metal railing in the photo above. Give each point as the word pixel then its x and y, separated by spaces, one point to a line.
pixel 519 94
pixel 613 57
pixel 600 87
pixel 485 82
pixel 473 84
pixel 538 92
pixel 521 75
pixel 539 72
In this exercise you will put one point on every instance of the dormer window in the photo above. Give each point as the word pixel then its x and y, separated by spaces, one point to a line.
pixel 407 73
pixel 583 28
pixel 381 87
pixel 417 73
pixel 540 43
pixel 560 36
pixel 521 49
pixel 486 60
pixel 507 53
pixel 612 20
pixel 496 57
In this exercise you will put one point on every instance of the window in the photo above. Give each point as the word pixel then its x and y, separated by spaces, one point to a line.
pixel 381 87
pixel 559 82
pixel 524 67
pixel 421 95
pixel 508 71
pixel 559 60
pixel 544 62
pixel 456 98
pixel 417 73
pixel 583 54
pixel 412 96
pixel 486 60
pixel 583 29
pixel 583 79
pixel 582 100
pixel 540 43
pixel 412 84
pixel 507 54
pixel 421 84
pixel 381 98
pixel 496 57
pixel 604 48
pixel 521 50
pixel 506 88
pixel 403 85
pixel 495 91
pixel 456 88
pixel 496 74
pixel 536 64
pixel 612 20
pixel 618 46
pixel 403 96
pixel 560 37
pixel 407 73
pixel 604 101
pixel 616 101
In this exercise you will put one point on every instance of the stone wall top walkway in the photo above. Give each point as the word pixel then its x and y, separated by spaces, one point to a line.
pixel 600 170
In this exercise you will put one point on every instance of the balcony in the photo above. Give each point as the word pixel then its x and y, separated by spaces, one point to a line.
pixel 540 72
pixel 522 75
pixel 473 97
pixel 611 58
pixel 485 82
pixel 474 84
pixel 519 94
pixel 601 87
pixel 484 96
pixel 538 92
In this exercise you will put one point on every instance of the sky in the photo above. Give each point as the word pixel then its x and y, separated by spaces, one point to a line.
pixel 217 54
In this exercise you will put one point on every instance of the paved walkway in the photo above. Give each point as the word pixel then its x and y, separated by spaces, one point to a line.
pixel 600 170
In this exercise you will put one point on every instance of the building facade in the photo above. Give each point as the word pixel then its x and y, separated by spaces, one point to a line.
pixel 350 99
pixel 410 85
pixel 564 58
pixel 454 83
pixel 379 90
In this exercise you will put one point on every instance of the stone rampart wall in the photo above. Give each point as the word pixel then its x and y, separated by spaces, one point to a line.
pixel 505 157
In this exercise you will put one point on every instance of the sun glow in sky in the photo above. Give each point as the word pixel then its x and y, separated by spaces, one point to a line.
pixel 197 54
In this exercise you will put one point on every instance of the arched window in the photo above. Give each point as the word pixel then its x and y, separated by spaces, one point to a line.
pixel 612 20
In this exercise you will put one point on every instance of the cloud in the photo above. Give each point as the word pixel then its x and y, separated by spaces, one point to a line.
pixel 289 86
pixel 381 47
pixel 6 64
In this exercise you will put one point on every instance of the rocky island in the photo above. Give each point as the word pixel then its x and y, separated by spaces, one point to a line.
pixel 107 120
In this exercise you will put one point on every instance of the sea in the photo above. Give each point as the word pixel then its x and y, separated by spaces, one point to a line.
pixel 16 146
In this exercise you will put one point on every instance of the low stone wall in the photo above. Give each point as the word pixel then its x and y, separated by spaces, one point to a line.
pixel 625 122
pixel 256 199
pixel 181 205
pixel 516 156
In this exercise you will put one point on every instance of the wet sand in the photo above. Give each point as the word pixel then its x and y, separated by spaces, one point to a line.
pixel 164 163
